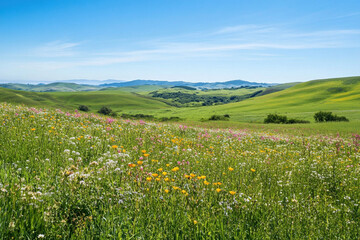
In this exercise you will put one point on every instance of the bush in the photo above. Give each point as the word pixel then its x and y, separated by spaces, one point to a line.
pixel 84 108
pixel 274 118
pixel 106 111
pixel 219 117
pixel 329 117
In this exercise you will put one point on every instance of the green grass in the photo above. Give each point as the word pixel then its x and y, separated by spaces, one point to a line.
pixel 117 100
pixel 51 87
pixel 83 176
pixel 342 96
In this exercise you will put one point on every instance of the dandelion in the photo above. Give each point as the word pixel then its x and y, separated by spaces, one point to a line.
pixel 195 222
pixel 164 173
pixel 231 169
pixel 218 190
pixel 232 192
pixel 167 190
pixel 148 179
pixel 175 169
pixel 206 183
pixel 140 163
pixel 160 169
pixel 253 170
pixel 155 174
pixel 114 146
pixel 146 155
pixel 33 129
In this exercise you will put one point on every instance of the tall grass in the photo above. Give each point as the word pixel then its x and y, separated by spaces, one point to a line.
pixel 81 176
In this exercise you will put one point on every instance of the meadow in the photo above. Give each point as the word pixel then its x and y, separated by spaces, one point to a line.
pixel 70 175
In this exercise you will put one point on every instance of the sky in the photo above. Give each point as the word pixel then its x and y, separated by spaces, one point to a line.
pixel 273 41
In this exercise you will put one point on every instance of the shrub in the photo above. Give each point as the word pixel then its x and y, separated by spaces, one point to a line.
pixel 219 117
pixel 329 117
pixel 274 118
pixel 84 108
pixel 105 110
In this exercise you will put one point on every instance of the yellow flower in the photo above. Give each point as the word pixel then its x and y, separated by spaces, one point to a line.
pixel 158 179
pixel 231 169
pixel 219 183
pixel 140 162
pixel 192 175
pixel 167 165
pixel 166 179
pixel 175 169
pixel 187 176
pixel 232 192
pixel 148 179
pixel 167 190
pixel 114 146
pixel 155 174
pixel 175 188
pixel 218 189
pixel 164 173
pixel 33 129
pixel 253 170
pixel 143 151
pixel 203 177
pixel 206 183
pixel 160 169
pixel 146 155
pixel 195 222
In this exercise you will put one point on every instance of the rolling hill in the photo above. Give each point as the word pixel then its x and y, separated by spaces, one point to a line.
pixel 302 100
pixel 117 100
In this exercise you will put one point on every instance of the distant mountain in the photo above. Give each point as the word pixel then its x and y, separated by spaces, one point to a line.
pixel 51 87
pixel 74 85
pixel 199 85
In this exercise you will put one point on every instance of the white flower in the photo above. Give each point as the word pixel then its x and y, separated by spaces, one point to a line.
pixel 41 236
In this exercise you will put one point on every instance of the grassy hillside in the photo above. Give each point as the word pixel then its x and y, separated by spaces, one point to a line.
pixel 117 100
pixel 341 95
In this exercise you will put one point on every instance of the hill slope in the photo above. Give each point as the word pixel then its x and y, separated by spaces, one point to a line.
pixel 117 100
pixel 340 95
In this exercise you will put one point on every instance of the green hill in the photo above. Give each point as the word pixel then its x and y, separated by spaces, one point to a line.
pixel 115 99
pixel 51 87
pixel 340 95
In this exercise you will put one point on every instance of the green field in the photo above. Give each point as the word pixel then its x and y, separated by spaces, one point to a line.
pixel 84 176
pixel 301 101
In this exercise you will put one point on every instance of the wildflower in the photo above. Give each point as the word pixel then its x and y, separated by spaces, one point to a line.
pixel 253 170
pixel 184 192
pixel 33 129
pixel 166 179
pixel 231 169
pixel 206 183
pixel 146 155
pixel 192 175
pixel 167 190
pixel 218 190
pixel 195 222
pixel 175 169
pixel 160 169
pixel 41 236
pixel 158 179
pixel 148 179
pixel 131 165
pixel 114 146
pixel 155 174
pixel 164 173
pixel 232 192
pixel 143 151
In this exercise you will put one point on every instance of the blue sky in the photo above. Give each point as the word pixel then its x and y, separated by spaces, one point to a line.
pixel 189 40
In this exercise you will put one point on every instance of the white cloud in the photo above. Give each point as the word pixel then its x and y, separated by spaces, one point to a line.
pixel 55 49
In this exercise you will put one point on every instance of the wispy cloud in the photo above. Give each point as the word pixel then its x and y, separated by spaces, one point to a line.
pixel 56 49
pixel 243 40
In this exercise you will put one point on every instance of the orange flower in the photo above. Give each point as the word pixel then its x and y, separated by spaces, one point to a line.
pixel 114 146
pixel 232 192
